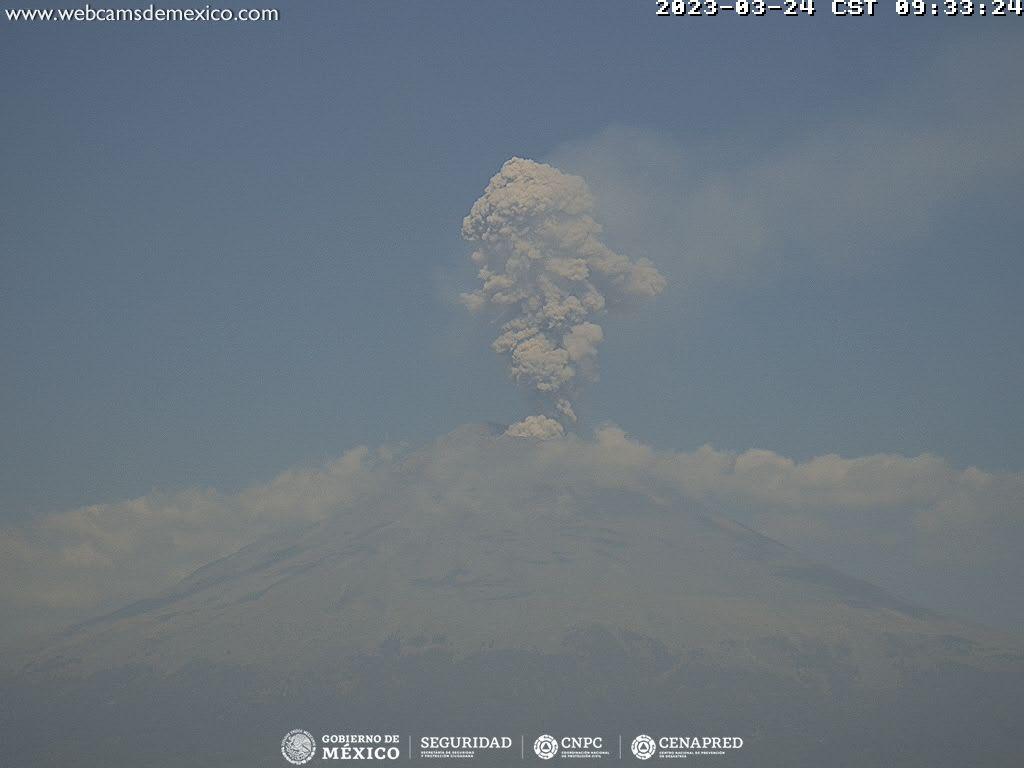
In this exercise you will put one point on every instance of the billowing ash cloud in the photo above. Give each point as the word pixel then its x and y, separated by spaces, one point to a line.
pixel 537 427
pixel 544 267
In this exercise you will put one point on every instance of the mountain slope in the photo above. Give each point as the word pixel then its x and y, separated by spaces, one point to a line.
pixel 534 601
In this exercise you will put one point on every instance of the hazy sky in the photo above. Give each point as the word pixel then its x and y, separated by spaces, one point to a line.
pixel 232 249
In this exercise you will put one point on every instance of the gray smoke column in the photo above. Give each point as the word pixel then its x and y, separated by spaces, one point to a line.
pixel 544 267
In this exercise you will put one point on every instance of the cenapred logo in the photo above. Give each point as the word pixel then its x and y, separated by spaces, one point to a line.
pixel 643 747
pixel 546 747
pixel 298 746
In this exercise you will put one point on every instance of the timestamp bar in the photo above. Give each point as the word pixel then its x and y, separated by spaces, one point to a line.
pixel 854 8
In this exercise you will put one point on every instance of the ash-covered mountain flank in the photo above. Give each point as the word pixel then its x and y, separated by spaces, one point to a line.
pixel 490 584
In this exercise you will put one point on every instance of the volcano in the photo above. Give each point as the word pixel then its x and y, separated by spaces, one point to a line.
pixel 528 602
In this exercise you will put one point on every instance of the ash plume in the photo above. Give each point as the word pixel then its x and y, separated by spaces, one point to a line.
pixel 545 271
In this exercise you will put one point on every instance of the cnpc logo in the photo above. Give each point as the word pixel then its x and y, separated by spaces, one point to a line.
pixel 547 746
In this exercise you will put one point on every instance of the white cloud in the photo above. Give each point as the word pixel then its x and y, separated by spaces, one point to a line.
pixel 882 513
pixel 66 566
pixel 853 190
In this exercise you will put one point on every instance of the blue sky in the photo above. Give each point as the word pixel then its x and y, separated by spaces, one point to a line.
pixel 229 250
